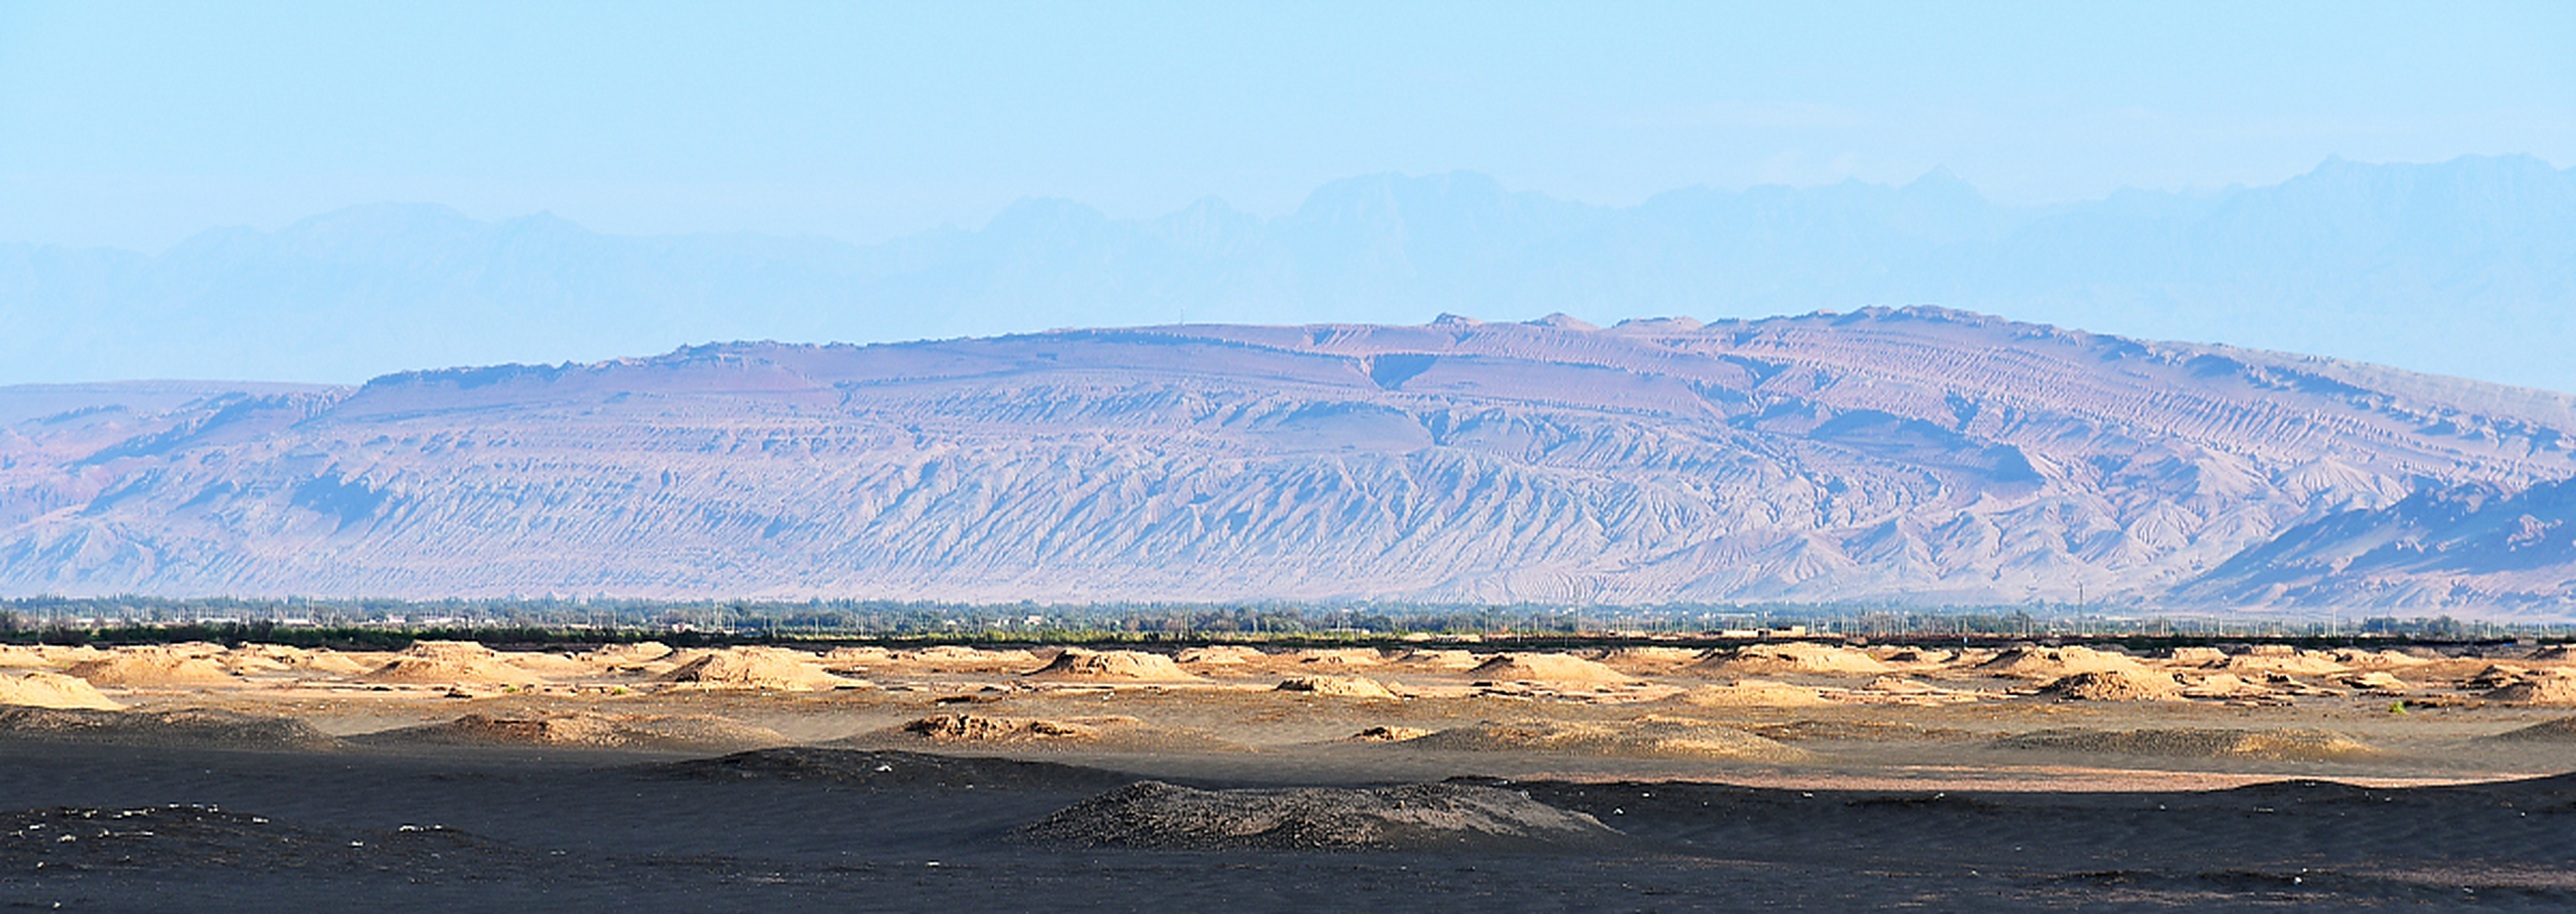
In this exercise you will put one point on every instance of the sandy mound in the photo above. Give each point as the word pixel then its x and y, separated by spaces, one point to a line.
pixel 153 667
pixel 2496 676
pixel 1752 693
pixel 2299 663
pixel 2357 657
pixel 460 663
pixel 1328 658
pixel 1108 733
pixel 1342 686
pixel 553 666
pixel 255 659
pixel 1387 734
pixel 2056 662
pixel 1916 656
pixel 1117 666
pixel 1440 659
pixel 1655 659
pixel 1544 668
pixel 2562 730
pixel 1220 655
pixel 2221 686
pixel 2196 656
pixel 42 689
pixel 331 663
pixel 755 668
pixel 16 655
pixel 2556 653
pixel 1647 738
pixel 1800 657
pixel 951 658
pixel 2558 689
pixel 2114 685
pixel 627 654
pixel 853 656
pixel 598 731
pixel 186 727
pixel 1153 814
pixel 2269 745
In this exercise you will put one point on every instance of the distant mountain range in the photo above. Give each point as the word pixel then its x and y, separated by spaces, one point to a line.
pixel 2465 268
pixel 1912 456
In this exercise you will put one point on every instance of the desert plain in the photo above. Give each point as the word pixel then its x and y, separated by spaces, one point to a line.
pixel 1438 775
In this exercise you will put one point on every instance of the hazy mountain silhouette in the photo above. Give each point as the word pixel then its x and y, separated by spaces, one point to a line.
pixel 2466 267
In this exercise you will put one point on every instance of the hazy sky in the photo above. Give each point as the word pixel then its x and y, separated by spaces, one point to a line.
pixel 135 125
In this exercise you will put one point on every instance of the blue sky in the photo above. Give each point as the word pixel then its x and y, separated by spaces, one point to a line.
pixel 137 124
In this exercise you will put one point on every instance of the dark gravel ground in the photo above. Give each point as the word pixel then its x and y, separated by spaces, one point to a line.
pixel 117 827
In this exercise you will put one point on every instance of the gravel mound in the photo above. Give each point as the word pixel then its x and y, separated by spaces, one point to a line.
pixel 2562 730
pixel 1152 814
pixel 184 727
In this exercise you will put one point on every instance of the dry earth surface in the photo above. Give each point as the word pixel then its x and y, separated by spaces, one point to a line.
pixel 1433 776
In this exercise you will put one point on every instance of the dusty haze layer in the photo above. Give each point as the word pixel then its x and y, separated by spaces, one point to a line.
pixel 1919 455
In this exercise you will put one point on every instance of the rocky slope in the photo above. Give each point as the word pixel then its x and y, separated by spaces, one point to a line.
pixel 1918 455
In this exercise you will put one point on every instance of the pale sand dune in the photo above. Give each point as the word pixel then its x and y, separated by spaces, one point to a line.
pixel 755 668
pixel 1338 686
pixel 333 663
pixel 2221 686
pixel 2056 662
pixel 449 663
pixel 1796 657
pixel 553 666
pixel 2196 656
pixel 1220 655
pixel 1650 660
pixel 2299 664
pixel 1113 666
pixel 153 667
pixel 16 655
pixel 44 689
pixel 627 654
pixel 1328 658
pixel 1652 737
pixel 1751 693
pixel 2115 685
pixel 1546 669
pixel 2270 745
pixel 586 730
pixel 949 658
pixel 1440 659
